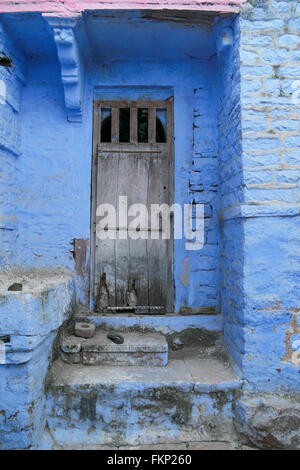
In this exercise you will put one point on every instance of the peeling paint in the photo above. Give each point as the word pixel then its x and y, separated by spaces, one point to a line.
pixel 81 258
pixel 293 329
pixel 184 276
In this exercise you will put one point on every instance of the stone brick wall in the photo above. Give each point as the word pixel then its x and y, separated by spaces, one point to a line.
pixel 31 319
pixel 192 83
pixel 55 169
pixel 54 166
pixel 203 189
pixel 11 85
pixel 247 168
pixel 260 205
pixel 270 67
pixel 54 178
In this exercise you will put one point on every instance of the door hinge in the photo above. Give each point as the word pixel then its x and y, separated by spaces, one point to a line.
pixel 94 227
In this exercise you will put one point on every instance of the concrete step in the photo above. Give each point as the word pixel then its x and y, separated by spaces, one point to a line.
pixel 190 399
pixel 198 330
pixel 143 349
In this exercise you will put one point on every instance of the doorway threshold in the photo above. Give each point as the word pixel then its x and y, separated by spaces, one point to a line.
pixel 137 309
pixel 168 323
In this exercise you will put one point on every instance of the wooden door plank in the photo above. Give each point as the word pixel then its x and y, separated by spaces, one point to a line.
pixel 157 249
pixel 122 245
pixel 151 125
pixel 143 172
pixel 133 125
pixel 138 194
pixel 115 116
pixel 96 140
pixel 170 171
pixel 105 249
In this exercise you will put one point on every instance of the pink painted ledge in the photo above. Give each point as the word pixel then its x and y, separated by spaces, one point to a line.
pixel 71 8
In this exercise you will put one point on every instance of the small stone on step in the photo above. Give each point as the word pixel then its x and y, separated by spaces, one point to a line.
pixel 15 287
pixel 177 344
pixel 118 339
pixel 71 345
pixel 85 330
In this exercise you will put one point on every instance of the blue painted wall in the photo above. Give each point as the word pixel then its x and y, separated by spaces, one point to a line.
pixel 55 172
pixel 55 156
pixel 259 195
pixel 231 127
pixel 47 172
pixel 231 186
pixel 31 319
pixel 11 85
pixel 236 150
pixel 192 84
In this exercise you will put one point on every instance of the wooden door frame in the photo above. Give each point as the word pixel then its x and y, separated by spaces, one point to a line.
pixel 169 104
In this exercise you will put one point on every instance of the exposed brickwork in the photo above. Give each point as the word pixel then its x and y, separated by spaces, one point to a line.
pixel 259 187
pixel 203 189
pixel 249 170
pixel 259 183
pixel 50 175
pixel 270 110
pixel 270 65
pixel 31 318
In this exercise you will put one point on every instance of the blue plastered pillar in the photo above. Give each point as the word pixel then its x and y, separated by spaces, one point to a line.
pixel 260 225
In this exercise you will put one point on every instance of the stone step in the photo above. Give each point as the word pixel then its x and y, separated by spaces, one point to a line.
pixel 199 330
pixel 190 399
pixel 143 349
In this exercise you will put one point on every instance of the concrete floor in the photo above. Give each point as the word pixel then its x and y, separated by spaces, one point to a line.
pixel 186 366
pixel 186 446
pixel 184 405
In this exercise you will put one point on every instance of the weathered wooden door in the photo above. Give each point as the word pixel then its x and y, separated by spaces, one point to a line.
pixel 132 164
